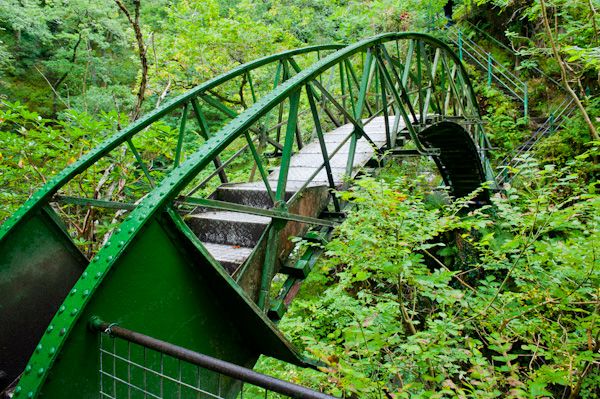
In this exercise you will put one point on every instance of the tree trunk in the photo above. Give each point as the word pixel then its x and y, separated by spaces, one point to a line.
pixel 139 38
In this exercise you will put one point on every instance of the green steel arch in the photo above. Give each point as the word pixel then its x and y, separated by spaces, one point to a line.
pixel 155 275
pixel 29 284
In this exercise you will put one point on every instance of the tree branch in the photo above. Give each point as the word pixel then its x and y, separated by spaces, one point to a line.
pixel 563 73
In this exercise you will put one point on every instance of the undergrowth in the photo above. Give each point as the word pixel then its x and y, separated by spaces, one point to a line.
pixel 414 300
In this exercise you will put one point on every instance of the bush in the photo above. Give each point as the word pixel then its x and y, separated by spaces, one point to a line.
pixel 419 302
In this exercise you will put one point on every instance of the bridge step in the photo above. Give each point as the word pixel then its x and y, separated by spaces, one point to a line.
pixel 250 194
pixel 229 228
pixel 230 256
pixel 231 237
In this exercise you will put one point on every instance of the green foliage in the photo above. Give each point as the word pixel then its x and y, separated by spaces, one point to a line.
pixel 570 143
pixel 62 49
pixel 519 25
pixel 505 125
pixel 33 149
pixel 419 302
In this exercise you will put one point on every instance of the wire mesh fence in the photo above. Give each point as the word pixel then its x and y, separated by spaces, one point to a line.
pixel 132 371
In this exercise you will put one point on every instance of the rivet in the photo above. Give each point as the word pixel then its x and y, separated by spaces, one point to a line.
pixel 41 371
pixel 118 230
pixel 73 291
pixel 85 274
pixel 30 395
pixel 50 328
pixel 18 390
pixel 131 230
pixel 38 348
pixel 27 369
pixel 74 312
pixel 107 244
pixel 121 243
pixel 98 275
pixel 61 309
pixel 52 351
pixel 109 258
pixel 63 331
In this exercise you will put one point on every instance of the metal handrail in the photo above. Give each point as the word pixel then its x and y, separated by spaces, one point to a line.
pixel 208 362
pixel 501 68
pixel 489 64
pixel 489 60
pixel 485 67
pixel 512 51
pixel 565 109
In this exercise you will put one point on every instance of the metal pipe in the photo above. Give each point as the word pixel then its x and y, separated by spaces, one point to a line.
pixel 210 363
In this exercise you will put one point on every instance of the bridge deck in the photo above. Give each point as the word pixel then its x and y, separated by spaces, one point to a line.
pixel 305 162
pixel 231 236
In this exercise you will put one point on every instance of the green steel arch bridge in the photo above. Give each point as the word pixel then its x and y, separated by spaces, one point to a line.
pixel 172 296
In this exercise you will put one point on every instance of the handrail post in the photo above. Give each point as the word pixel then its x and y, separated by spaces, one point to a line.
pixel 525 101
pixel 489 70
pixel 460 45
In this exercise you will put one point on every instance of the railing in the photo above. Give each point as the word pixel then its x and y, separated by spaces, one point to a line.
pixel 534 69
pixel 134 365
pixel 496 72
pixel 513 160
pixel 508 80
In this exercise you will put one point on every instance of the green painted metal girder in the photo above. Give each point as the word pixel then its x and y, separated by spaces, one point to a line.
pixel 66 199
pixel 272 213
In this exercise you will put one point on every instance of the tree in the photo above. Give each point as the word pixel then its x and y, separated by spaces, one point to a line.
pixel 60 53
pixel 134 21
